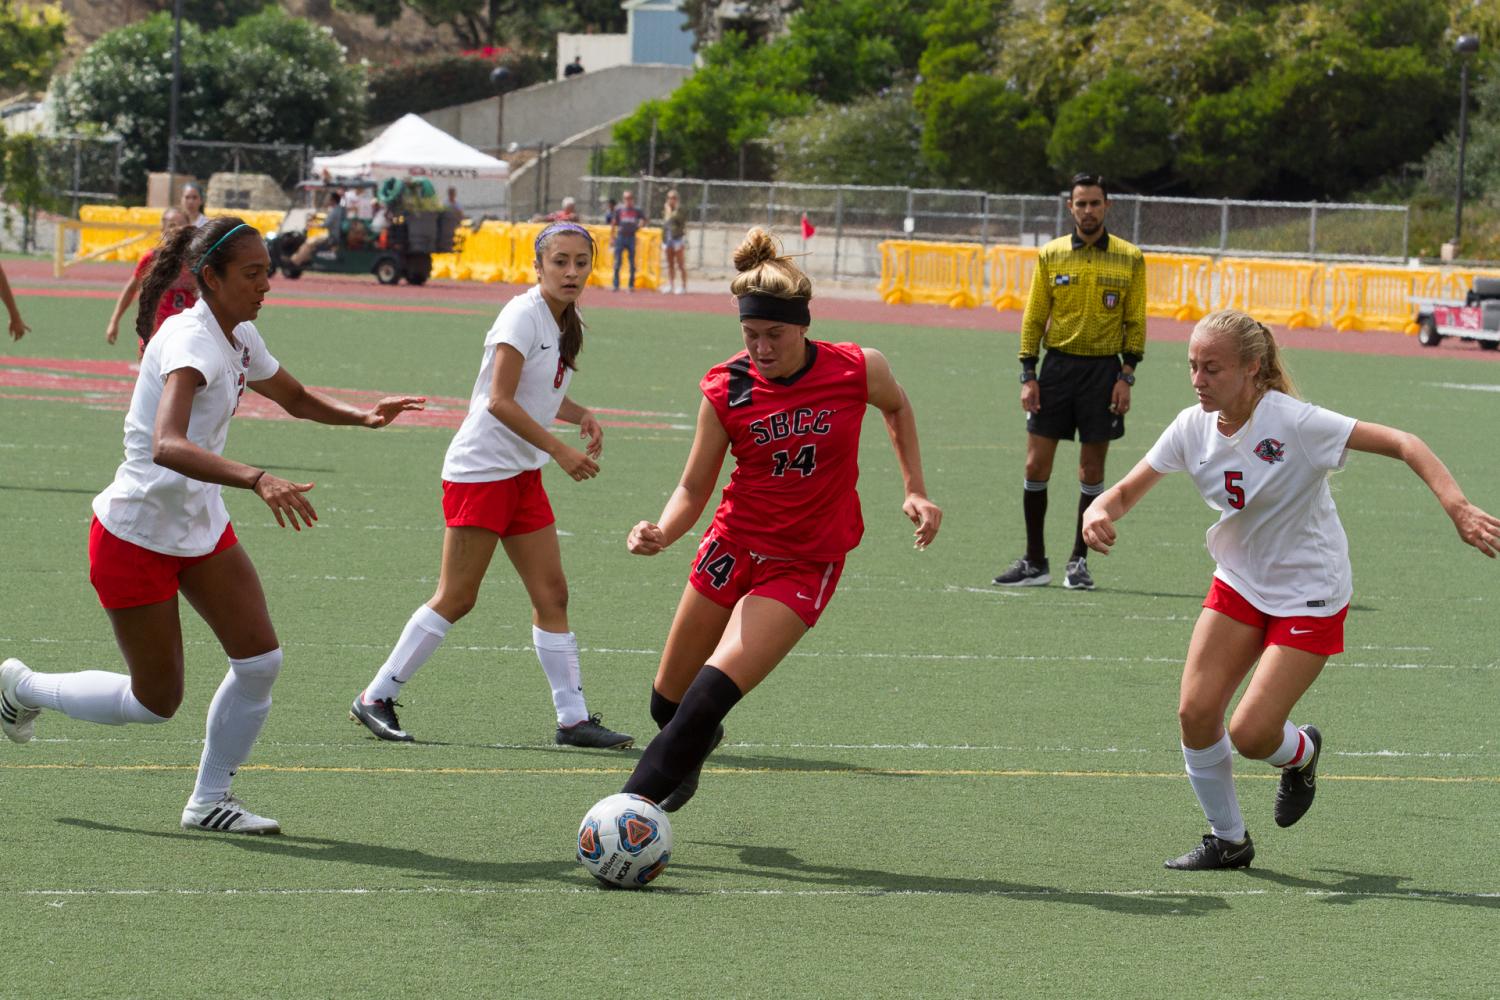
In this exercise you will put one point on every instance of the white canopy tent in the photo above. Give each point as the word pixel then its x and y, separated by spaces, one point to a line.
pixel 412 148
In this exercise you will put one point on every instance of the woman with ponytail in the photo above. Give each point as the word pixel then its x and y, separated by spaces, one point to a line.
pixel 178 296
pixel 1281 588
pixel 790 410
pixel 493 495
pixel 161 527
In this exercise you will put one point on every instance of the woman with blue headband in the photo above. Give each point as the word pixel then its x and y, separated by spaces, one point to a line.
pixel 789 409
pixel 162 527
pixel 493 495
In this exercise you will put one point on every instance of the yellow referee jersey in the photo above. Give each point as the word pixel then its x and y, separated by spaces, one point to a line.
pixel 1094 295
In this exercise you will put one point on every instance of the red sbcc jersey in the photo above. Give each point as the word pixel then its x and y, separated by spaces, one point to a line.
pixel 795 442
pixel 180 296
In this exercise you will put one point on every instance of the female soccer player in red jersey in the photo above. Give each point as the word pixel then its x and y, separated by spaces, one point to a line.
pixel 178 297
pixel 1261 457
pixel 789 409
pixel 161 526
pixel 493 494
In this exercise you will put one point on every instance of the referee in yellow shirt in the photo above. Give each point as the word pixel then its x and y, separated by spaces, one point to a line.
pixel 1088 306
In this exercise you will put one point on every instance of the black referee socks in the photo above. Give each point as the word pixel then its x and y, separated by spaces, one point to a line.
pixel 688 737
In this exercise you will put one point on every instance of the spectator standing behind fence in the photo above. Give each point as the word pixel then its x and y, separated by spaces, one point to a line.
pixel 454 206
pixel 180 296
pixel 623 224
pixel 1088 306
pixel 573 68
pixel 192 204
pixel 568 212
pixel 674 241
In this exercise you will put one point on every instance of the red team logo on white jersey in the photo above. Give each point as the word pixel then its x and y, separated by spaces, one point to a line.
pixel 1271 451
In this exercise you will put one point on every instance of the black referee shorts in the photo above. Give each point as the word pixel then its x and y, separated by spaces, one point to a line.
pixel 1076 391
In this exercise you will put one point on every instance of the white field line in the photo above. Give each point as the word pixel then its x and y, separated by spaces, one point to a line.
pixel 358 744
pixel 64 894
pixel 1335 664
pixel 1471 387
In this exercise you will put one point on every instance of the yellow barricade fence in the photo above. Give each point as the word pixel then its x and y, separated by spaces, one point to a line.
pixel 1380 298
pixel 1010 270
pixel 950 274
pixel 647 259
pixel 1274 291
pixel 523 252
pixel 446 265
pixel 485 255
pixel 1455 282
pixel 1178 286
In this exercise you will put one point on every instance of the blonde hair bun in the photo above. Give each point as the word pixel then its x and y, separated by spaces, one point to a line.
pixel 757 248
pixel 763 270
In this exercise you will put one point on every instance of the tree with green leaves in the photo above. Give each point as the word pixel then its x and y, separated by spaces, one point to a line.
pixel 269 78
pixel 32 40
pixel 875 140
pixel 211 15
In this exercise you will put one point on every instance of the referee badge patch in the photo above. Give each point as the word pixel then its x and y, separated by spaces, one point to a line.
pixel 1111 299
pixel 1062 279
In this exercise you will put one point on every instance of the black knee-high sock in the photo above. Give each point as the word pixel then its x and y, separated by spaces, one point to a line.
pixel 1087 494
pixel 687 738
pixel 1034 507
pixel 662 708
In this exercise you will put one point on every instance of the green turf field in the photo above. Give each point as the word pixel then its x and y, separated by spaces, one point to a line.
pixel 948 791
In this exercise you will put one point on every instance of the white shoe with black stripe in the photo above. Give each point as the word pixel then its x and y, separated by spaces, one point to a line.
pixel 227 815
pixel 17 722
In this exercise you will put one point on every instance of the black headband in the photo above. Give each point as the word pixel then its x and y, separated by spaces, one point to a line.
pixel 794 311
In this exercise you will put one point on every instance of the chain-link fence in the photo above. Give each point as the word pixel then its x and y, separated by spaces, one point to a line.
pixel 850 221
pixel 70 170
pixel 246 175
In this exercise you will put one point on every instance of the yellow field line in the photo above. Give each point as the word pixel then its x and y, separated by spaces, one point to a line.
pixel 872 771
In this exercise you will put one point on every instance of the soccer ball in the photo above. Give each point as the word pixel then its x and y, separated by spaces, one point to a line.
pixel 625 841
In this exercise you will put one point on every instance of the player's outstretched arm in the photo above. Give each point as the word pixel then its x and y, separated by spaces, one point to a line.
pixel 696 488
pixel 285 391
pixel 172 449
pixel 1475 526
pixel 886 394
pixel 1114 503
pixel 127 296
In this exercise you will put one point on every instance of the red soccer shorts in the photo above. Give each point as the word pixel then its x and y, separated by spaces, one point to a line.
pixel 126 575
pixel 1323 636
pixel 725 572
pixel 514 506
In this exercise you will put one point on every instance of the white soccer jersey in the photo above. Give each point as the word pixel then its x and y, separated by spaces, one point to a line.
pixel 153 506
pixel 485 450
pixel 1278 540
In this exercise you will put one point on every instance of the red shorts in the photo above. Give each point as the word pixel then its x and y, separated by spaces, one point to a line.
pixel 126 575
pixel 514 506
pixel 724 572
pixel 1324 636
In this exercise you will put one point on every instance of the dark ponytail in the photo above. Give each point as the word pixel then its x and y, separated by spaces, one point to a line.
pixel 193 248
pixel 166 265
pixel 570 342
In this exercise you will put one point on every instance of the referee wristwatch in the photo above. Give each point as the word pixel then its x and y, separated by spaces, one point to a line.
pixel 1125 377
pixel 1028 375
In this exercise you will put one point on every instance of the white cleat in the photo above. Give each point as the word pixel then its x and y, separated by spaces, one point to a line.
pixel 227 815
pixel 17 721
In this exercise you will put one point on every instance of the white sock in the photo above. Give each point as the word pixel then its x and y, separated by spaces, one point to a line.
pixel 89 695
pixel 420 638
pixel 1211 771
pixel 558 653
pixel 1294 750
pixel 235 717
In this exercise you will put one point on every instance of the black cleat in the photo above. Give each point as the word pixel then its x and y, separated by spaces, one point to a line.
pixel 379 717
pixel 591 732
pixel 689 785
pixel 1213 854
pixel 1294 796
